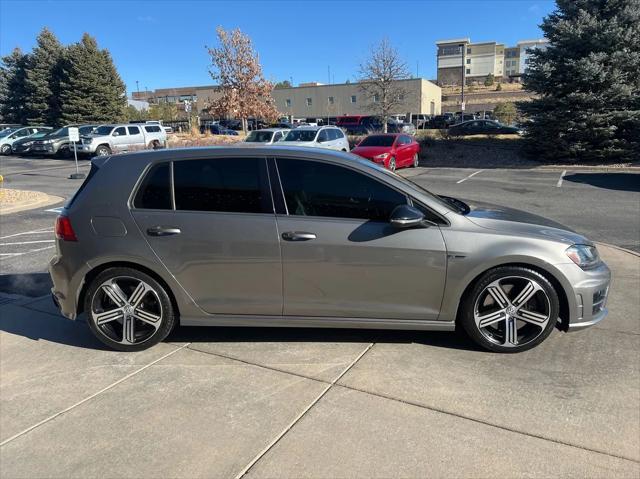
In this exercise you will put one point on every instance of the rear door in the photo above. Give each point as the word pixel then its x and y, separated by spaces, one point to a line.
pixel 341 257
pixel 217 234
pixel 136 138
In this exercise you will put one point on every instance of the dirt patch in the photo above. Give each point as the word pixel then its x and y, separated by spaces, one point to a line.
pixel 12 201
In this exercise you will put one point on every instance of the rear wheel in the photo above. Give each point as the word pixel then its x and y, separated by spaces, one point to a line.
pixel 5 150
pixel 416 160
pixel 154 145
pixel 128 310
pixel 510 309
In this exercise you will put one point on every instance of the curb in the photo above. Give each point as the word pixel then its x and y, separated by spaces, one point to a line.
pixel 47 200
pixel 624 250
pixel 608 169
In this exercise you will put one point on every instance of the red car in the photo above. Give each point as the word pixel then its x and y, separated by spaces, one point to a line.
pixel 392 150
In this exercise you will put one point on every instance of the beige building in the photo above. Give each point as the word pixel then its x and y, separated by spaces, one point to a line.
pixel 459 57
pixel 311 100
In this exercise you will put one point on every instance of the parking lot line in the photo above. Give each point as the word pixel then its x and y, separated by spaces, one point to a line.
pixel 88 398
pixel 34 232
pixel 299 416
pixel 559 184
pixel 27 242
pixel 470 176
pixel 28 252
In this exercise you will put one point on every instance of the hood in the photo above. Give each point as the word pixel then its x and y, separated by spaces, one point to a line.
pixel 510 220
pixel 371 151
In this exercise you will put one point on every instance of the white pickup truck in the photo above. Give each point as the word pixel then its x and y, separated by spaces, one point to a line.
pixel 108 139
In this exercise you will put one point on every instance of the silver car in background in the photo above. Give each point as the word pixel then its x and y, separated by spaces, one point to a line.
pixel 279 236
pixel 267 136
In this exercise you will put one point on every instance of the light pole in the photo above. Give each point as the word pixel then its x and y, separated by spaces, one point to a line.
pixel 138 89
pixel 464 67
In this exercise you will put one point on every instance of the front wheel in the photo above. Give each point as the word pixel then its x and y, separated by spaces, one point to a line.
pixel 510 309
pixel 416 160
pixel 5 150
pixel 392 164
pixel 103 150
pixel 128 310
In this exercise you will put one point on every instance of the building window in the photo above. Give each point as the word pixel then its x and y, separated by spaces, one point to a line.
pixel 468 51
pixel 449 50
pixel 330 100
pixel 309 102
pixel 468 71
pixel 526 61
pixel 500 62
pixel 353 98
pixel 401 97
pixel 287 103
pixel 468 61
pixel 376 98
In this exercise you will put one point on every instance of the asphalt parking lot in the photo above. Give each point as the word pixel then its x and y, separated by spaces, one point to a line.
pixel 230 402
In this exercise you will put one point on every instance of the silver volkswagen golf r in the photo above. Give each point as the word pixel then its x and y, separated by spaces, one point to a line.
pixel 300 237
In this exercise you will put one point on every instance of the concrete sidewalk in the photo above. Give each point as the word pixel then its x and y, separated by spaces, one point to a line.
pixel 320 403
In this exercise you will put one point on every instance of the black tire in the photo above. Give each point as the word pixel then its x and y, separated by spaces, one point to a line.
pixel 167 314
pixel 64 152
pixel 103 150
pixel 5 150
pixel 392 163
pixel 466 317
pixel 416 161
pixel 154 145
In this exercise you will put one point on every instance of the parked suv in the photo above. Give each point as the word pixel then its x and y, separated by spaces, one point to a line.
pixel 57 142
pixel 317 137
pixel 307 237
pixel 107 139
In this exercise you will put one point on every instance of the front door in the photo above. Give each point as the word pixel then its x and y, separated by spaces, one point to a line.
pixel 220 242
pixel 341 257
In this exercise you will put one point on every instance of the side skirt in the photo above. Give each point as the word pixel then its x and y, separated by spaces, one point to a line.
pixel 316 322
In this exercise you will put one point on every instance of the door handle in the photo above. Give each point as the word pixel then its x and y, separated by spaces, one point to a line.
pixel 163 231
pixel 298 236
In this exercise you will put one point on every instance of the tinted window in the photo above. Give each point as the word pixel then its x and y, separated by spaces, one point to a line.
pixel 222 184
pixel 318 189
pixel 323 136
pixel 338 133
pixel 258 136
pixel 301 135
pixel 378 140
pixel 152 129
pixel 134 130
pixel 155 190
pixel 121 131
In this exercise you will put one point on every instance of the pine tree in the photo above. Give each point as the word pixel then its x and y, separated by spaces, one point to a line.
pixel 91 90
pixel 42 79
pixel 12 93
pixel 587 83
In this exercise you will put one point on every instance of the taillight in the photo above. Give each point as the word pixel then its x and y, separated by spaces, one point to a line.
pixel 64 230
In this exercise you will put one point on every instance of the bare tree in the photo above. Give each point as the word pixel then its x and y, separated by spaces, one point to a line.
pixel 378 77
pixel 236 68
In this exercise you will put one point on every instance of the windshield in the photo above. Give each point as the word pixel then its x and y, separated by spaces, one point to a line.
pixel 378 140
pixel 8 131
pixel 259 137
pixel 103 130
pixel 85 130
pixel 301 135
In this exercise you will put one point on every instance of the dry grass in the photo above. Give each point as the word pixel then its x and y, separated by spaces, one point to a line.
pixel 194 139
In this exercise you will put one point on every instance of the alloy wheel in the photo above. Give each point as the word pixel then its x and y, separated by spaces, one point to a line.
pixel 126 310
pixel 512 311
pixel 416 160
pixel 392 164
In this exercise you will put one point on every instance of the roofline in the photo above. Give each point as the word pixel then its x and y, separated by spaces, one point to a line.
pixel 454 40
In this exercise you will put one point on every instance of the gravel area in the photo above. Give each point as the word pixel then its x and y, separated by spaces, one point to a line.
pixel 11 197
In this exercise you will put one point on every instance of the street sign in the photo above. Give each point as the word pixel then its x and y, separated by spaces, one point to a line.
pixel 462 106
pixel 74 134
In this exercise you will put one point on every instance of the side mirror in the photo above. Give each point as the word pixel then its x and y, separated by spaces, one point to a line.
pixel 405 216
pixel 115 133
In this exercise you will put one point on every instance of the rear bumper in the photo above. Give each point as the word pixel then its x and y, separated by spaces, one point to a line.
pixel 67 283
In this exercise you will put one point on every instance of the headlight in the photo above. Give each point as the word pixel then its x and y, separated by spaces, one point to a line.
pixel 28 143
pixel 583 255
pixel 47 142
pixel 383 156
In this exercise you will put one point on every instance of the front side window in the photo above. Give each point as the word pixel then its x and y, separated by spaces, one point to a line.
pixel 231 185
pixel 155 190
pixel 301 135
pixel 121 131
pixel 319 189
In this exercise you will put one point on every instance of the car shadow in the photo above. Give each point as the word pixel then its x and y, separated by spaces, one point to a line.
pixel 610 181
pixel 31 284
pixel 442 339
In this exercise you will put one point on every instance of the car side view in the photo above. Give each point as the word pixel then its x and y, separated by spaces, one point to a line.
pixel 308 237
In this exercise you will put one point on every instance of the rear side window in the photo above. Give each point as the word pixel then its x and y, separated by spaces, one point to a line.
pixel 155 190
pixel 152 129
pixel 134 130
pixel 319 189
pixel 234 185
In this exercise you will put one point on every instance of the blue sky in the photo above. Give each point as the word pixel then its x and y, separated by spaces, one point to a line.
pixel 161 43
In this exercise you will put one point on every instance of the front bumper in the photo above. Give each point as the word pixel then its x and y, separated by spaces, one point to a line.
pixel 589 293
pixel 84 149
